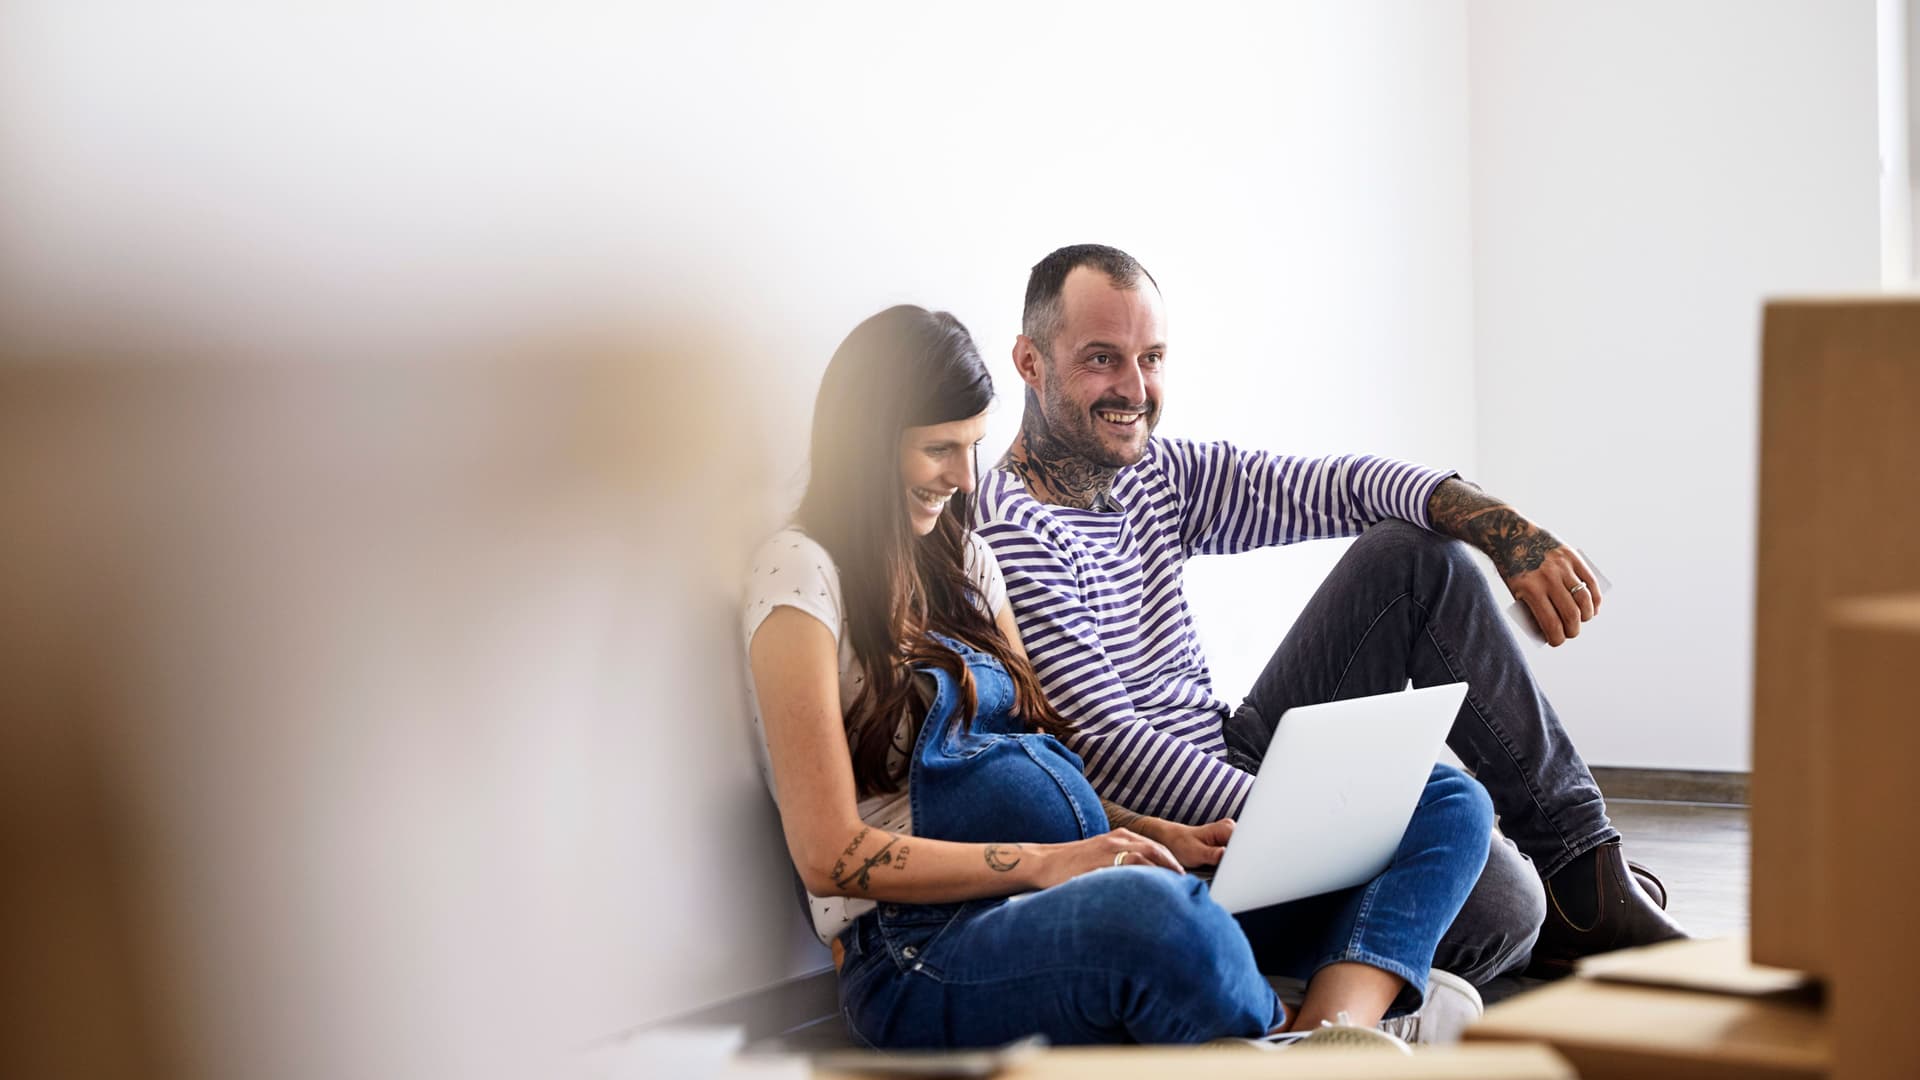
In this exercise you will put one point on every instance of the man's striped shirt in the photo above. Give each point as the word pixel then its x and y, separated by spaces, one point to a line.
pixel 1099 599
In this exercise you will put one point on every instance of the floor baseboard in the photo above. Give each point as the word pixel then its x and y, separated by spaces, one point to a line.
pixel 1672 785
pixel 770 1010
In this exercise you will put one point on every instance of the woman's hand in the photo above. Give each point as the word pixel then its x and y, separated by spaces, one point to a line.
pixel 1193 845
pixel 1120 847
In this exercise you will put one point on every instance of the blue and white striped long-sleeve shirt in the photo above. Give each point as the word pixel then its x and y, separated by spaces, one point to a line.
pixel 1099 599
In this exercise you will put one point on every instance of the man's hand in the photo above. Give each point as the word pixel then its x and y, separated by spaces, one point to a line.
pixel 1548 577
pixel 1193 845
pixel 1561 593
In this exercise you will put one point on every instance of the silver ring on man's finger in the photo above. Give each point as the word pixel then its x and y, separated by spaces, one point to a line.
pixel 1120 858
pixel 1578 586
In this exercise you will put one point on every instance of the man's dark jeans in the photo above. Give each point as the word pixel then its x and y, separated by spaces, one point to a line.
pixel 1406 604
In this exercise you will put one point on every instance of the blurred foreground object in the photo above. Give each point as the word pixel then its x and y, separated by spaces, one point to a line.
pixel 1839 454
pixel 1873 650
pixel 325 691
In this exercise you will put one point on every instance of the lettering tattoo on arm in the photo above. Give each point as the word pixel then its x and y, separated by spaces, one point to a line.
pixel 840 865
pixel 1463 511
pixel 1003 857
pixel 861 877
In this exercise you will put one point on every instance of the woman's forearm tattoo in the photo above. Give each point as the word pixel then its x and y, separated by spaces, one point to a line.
pixel 1003 857
pixel 861 877
pixel 840 866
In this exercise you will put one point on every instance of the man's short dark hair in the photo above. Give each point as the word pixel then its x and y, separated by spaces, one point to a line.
pixel 1041 318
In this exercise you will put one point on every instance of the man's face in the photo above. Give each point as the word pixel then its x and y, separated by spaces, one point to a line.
pixel 1099 385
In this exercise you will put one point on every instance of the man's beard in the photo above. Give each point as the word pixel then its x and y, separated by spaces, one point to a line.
pixel 1073 430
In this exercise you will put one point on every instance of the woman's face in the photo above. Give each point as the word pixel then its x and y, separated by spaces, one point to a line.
pixel 936 461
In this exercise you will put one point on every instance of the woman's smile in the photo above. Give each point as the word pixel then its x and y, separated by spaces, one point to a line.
pixel 930 501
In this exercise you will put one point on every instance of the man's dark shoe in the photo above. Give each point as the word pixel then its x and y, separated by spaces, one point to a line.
pixel 1655 888
pixel 1627 915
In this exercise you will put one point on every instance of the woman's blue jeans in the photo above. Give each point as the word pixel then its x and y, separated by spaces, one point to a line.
pixel 1142 954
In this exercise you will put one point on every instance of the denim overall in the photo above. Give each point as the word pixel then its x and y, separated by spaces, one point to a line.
pixel 993 780
pixel 1128 954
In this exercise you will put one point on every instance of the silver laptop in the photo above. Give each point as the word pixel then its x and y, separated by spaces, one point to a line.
pixel 1335 792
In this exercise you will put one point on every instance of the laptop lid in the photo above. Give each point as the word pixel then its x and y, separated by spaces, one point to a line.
pixel 1335 792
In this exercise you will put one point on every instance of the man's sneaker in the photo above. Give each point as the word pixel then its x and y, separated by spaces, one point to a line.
pixel 1452 1003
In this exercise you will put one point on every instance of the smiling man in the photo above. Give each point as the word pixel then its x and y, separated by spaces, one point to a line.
pixel 1092 518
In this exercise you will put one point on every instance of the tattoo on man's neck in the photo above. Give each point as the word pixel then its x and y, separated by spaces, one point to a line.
pixel 1463 511
pixel 1051 470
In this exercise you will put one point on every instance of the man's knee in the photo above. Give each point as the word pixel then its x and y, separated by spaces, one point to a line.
pixel 1403 544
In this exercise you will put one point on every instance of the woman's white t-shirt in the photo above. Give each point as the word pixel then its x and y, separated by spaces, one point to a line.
pixel 791 570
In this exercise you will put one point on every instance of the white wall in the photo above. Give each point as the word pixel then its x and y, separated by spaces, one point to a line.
pixel 1344 322
pixel 707 196
pixel 1644 174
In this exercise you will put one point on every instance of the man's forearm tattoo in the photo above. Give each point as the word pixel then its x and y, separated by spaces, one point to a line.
pixel 1003 857
pixel 1463 511
pixel 900 857
pixel 862 876
pixel 1516 544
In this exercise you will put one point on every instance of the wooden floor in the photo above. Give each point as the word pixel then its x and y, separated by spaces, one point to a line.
pixel 1699 850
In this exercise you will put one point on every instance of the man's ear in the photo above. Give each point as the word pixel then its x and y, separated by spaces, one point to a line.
pixel 1027 361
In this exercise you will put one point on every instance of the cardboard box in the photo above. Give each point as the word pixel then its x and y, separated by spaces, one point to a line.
pixel 1839 454
pixel 1874 677
pixel 1234 1063
pixel 1629 1018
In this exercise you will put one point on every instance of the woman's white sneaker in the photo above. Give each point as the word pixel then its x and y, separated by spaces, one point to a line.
pixel 1452 1003
pixel 1345 1036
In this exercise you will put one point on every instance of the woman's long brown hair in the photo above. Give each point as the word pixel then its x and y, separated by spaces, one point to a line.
pixel 905 367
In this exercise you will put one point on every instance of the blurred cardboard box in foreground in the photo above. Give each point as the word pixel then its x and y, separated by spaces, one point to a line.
pixel 1234 1063
pixel 1873 661
pixel 1693 1009
pixel 1839 468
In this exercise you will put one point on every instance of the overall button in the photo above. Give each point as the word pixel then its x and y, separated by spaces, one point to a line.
pixel 890 909
pixel 909 952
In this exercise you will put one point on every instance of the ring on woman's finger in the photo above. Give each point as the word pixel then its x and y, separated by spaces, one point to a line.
pixel 1578 586
pixel 1121 858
